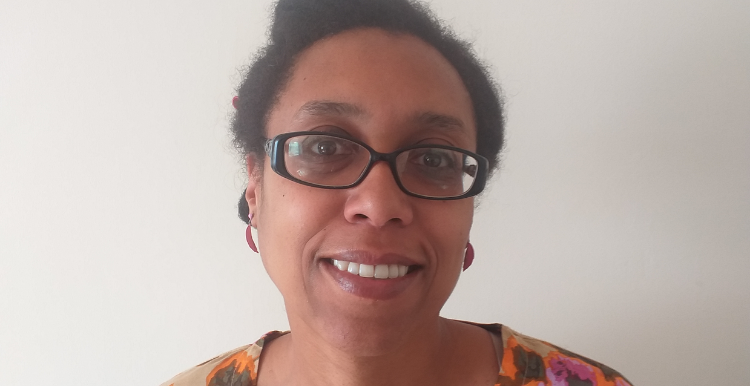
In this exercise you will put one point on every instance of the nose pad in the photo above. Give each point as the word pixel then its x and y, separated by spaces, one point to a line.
pixel 378 199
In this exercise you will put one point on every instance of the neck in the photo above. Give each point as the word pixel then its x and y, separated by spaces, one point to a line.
pixel 429 354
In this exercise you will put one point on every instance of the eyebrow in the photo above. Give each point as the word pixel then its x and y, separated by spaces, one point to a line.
pixel 328 108
pixel 431 119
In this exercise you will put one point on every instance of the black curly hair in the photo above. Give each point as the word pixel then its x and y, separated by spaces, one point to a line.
pixel 297 24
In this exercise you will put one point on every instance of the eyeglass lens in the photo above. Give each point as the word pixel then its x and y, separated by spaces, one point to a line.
pixel 337 162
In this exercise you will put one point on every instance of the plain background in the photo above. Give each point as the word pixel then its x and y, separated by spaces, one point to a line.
pixel 619 226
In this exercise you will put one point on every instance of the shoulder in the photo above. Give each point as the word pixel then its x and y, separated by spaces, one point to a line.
pixel 527 360
pixel 524 361
pixel 238 367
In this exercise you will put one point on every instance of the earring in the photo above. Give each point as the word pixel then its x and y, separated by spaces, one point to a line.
pixel 249 235
pixel 235 102
pixel 468 256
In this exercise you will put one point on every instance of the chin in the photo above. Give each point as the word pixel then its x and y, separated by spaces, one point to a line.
pixel 366 338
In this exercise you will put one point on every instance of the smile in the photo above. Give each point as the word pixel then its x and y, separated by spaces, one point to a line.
pixel 380 271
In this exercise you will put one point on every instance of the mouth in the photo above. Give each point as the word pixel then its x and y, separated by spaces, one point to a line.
pixel 371 281
pixel 379 271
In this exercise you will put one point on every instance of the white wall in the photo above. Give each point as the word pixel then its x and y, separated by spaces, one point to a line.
pixel 619 226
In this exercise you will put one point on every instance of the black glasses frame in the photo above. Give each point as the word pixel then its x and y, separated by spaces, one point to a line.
pixel 274 148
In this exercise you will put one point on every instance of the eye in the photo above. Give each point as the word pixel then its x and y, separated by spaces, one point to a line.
pixel 434 158
pixel 325 147
pixel 328 146
pixel 321 148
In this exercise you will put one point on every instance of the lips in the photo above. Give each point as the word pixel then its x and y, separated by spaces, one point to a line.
pixel 370 276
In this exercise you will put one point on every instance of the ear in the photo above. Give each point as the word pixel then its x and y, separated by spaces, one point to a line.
pixel 252 193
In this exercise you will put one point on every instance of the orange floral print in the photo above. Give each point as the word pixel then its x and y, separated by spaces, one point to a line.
pixel 236 370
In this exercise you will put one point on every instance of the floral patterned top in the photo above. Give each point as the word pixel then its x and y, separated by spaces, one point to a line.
pixel 524 361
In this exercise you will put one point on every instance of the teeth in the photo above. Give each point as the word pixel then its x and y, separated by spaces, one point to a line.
pixel 393 271
pixel 341 265
pixel 366 270
pixel 380 271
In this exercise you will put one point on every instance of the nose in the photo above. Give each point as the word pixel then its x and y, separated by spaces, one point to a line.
pixel 378 200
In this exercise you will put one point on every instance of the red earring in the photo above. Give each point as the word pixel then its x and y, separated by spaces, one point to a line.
pixel 235 102
pixel 469 256
pixel 249 235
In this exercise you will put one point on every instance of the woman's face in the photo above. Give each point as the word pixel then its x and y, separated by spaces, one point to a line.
pixel 389 91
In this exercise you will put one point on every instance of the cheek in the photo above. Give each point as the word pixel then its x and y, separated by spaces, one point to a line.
pixel 453 221
pixel 449 232
pixel 290 218
pixel 454 233
pixel 447 225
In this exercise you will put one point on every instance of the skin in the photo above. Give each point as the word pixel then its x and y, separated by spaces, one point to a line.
pixel 392 87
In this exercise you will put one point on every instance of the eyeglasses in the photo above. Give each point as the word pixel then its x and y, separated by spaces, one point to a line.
pixel 333 161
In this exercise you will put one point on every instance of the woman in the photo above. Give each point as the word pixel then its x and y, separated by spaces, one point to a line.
pixel 367 129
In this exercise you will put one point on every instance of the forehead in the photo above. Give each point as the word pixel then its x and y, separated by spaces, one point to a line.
pixel 379 83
